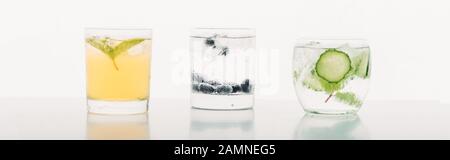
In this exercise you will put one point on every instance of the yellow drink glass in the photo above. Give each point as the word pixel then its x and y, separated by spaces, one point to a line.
pixel 118 70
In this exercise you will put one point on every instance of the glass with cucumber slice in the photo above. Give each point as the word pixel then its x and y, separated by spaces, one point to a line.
pixel 331 76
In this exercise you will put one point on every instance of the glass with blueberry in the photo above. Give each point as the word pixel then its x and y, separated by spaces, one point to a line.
pixel 222 68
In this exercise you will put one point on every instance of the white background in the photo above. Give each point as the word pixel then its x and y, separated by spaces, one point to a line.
pixel 42 42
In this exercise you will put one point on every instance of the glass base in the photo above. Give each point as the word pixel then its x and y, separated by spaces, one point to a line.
pixel 331 111
pixel 117 127
pixel 117 107
pixel 222 102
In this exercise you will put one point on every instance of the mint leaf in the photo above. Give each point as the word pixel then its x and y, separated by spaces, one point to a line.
pixel 104 45
pixel 125 45
pixel 312 81
pixel 100 45
pixel 348 98
pixel 331 87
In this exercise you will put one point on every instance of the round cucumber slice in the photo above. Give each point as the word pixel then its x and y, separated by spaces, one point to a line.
pixel 333 65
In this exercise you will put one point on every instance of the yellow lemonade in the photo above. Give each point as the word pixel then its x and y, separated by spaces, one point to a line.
pixel 118 70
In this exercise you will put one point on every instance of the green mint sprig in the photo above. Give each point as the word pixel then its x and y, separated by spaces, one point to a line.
pixel 316 83
pixel 104 45
pixel 348 98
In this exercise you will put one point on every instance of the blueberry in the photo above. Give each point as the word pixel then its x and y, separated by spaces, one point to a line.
pixel 236 88
pixel 246 86
pixel 224 89
pixel 195 87
pixel 206 88
pixel 210 42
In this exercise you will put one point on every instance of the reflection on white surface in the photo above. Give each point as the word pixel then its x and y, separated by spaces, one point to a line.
pixel 340 127
pixel 209 124
pixel 113 127
pixel 59 118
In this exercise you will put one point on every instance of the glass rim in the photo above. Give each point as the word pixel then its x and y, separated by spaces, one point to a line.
pixel 224 28
pixel 119 32
pixel 229 32
pixel 333 41
pixel 117 28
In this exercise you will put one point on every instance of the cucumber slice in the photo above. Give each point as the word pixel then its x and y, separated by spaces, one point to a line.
pixel 333 65
pixel 361 65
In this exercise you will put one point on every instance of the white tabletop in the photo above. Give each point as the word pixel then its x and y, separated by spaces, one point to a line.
pixel 31 118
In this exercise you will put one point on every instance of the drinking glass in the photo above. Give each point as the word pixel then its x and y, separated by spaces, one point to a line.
pixel 222 65
pixel 118 70
pixel 331 76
